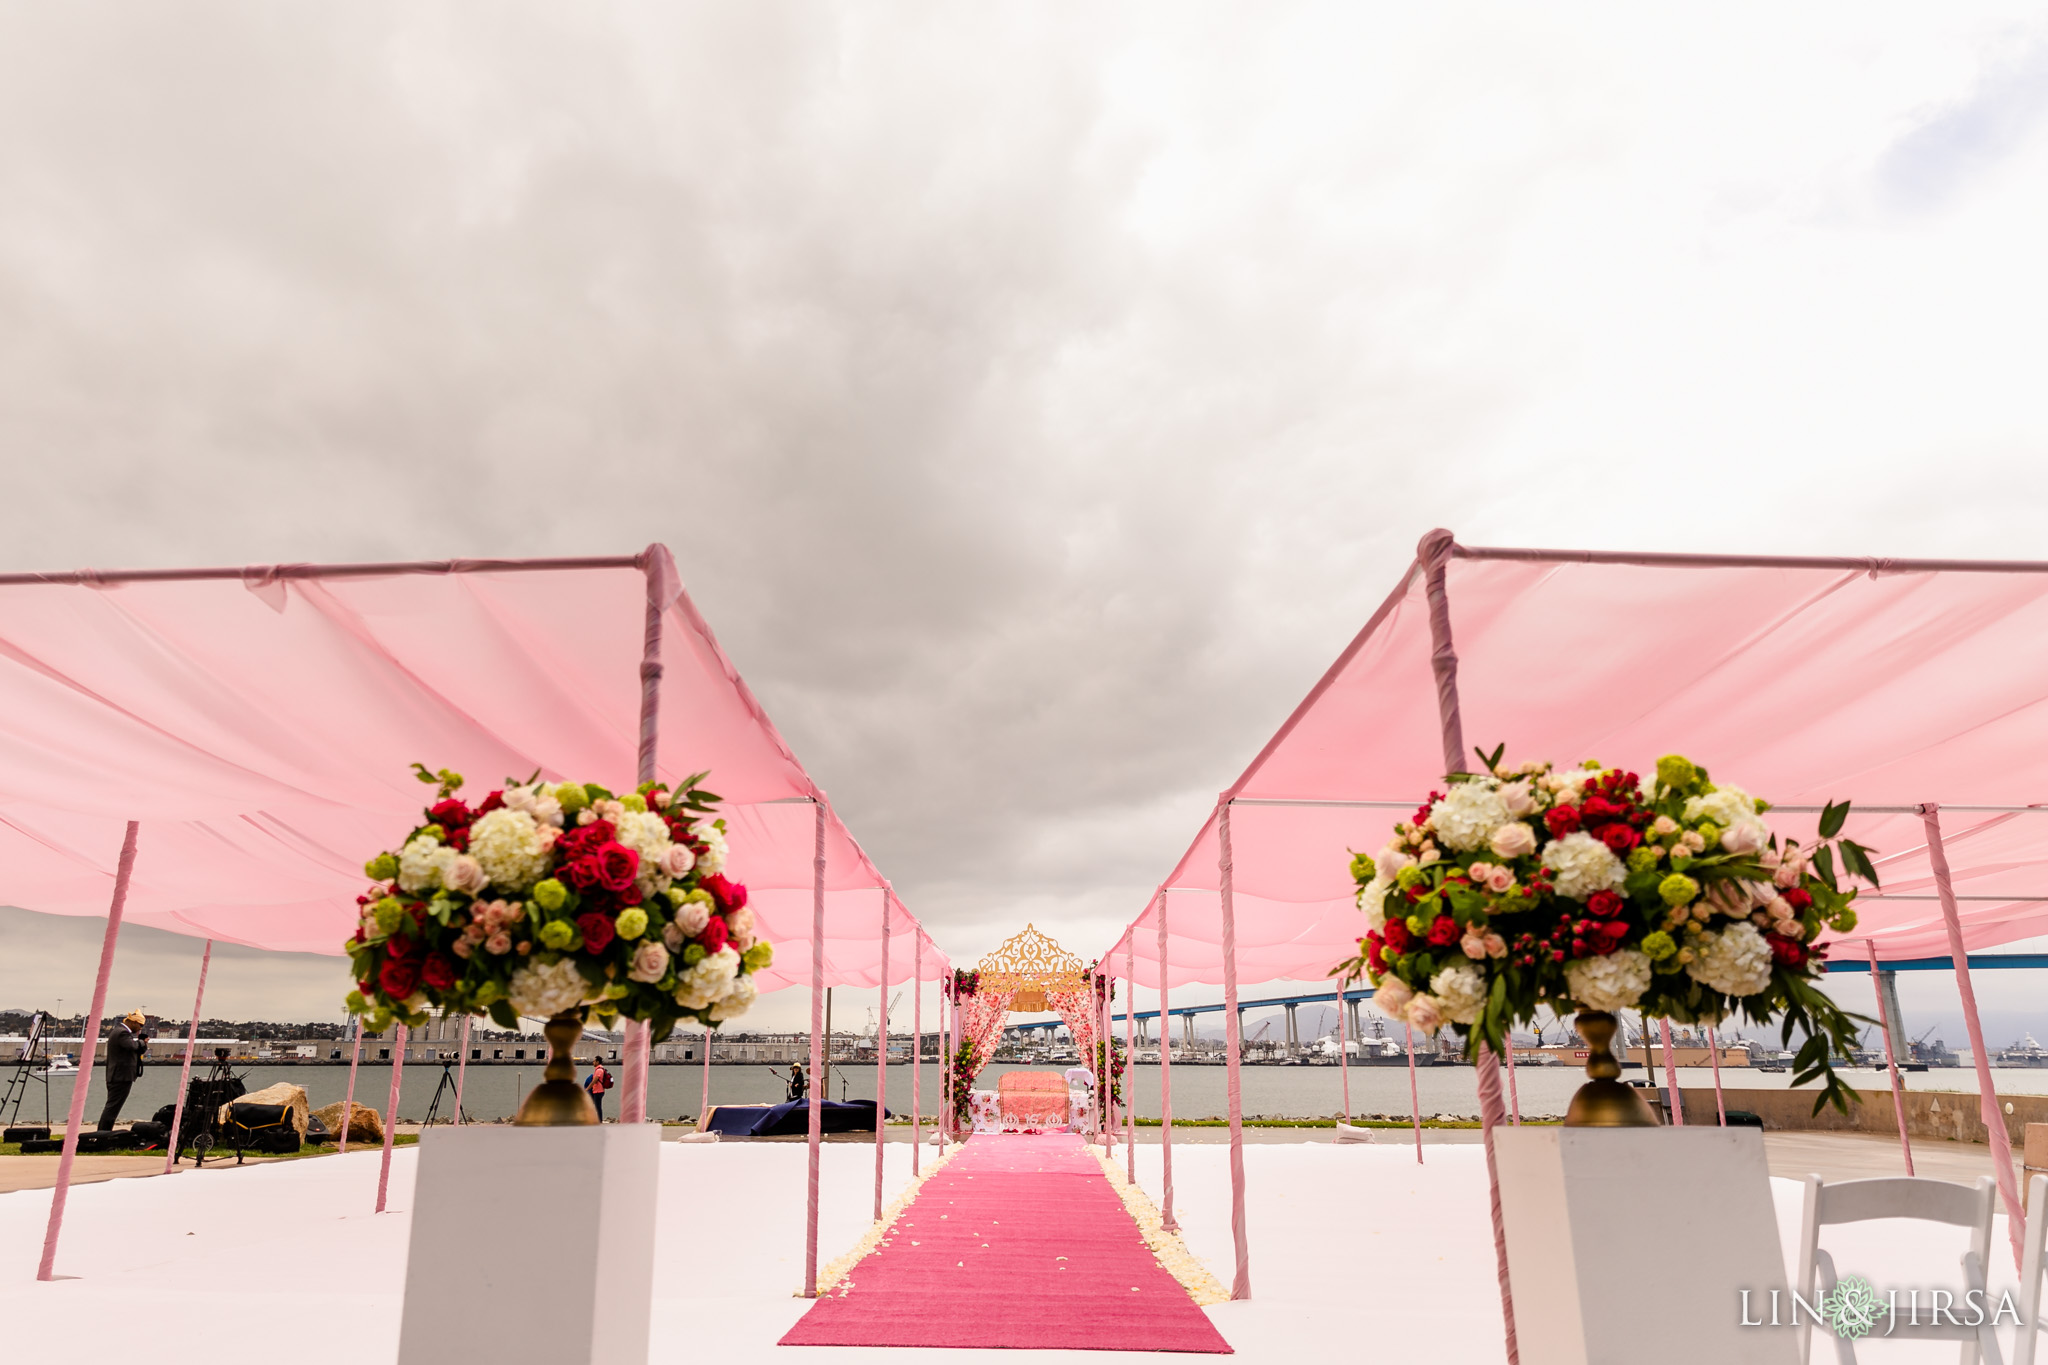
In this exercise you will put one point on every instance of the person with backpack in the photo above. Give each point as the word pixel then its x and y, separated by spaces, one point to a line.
pixel 599 1081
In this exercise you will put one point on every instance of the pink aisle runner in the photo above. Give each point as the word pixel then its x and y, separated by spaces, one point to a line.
pixel 1019 1241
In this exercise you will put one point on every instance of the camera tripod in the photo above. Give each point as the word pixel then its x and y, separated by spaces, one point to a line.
pixel 446 1087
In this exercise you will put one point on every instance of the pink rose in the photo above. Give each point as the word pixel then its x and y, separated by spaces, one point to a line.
pixel 1424 1013
pixel 466 875
pixel 1392 997
pixel 692 916
pixel 1663 825
pixel 673 936
pixel 1517 797
pixel 650 962
pixel 678 861
pixel 1473 946
pixel 1499 879
pixel 1514 840
pixel 1496 946
pixel 462 946
pixel 500 944
pixel 1742 839
pixel 740 924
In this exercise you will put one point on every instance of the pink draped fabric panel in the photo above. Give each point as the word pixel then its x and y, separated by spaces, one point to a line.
pixel 1802 682
pixel 263 724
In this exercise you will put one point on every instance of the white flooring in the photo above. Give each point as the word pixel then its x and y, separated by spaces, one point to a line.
pixel 1352 1248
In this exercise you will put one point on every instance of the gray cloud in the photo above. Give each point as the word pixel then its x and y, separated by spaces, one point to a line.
pixel 1035 399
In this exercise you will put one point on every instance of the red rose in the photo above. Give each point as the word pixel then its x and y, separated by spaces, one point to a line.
pixel 366 988
pixel 399 977
pixel 1443 931
pixel 1787 952
pixel 730 895
pixel 631 895
pixel 1798 898
pixel 439 973
pixel 617 866
pixel 449 814
pixel 1561 820
pixel 1597 808
pixel 1374 957
pixel 582 873
pixel 715 935
pixel 1604 904
pixel 597 931
pixel 1620 838
pixel 494 801
pixel 458 839
pixel 1614 931
pixel 1398 937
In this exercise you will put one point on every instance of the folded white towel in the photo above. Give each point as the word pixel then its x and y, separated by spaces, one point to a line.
pixel 1347 1133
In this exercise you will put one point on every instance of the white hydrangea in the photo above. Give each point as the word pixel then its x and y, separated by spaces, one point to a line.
pixel 1373 900
pixel 646 833
pixel 422 862
pixel 1580 865
pixel 736 1001
pixel 712 861
pixel 542 991
pixel 1468 814
pixel 699 986
pixel 1610 983
pixel 1735 961
pixel 1726 806
pixel 1460 993
pixel 509 845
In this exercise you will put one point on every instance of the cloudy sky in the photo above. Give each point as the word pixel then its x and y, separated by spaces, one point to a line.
pixel 1035 397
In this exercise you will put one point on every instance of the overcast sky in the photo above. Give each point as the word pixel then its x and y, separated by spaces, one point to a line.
pixel 1035 397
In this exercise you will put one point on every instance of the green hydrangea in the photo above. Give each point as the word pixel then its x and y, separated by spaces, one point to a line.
pixel 354 1002
pixel 557 934
pixel 572 796
pixel 1678 889
pixel 693 953
pixel 1410 875
pixel 389 913
pixel 633 801
pixel 1844 919
pixel 1710 832
pixel 618 990
pixel 550 894
pixel 758 956
pixel 1362 869
pixel 632 922
pixel 1642 858
pixel 1658 945
pixel 381 868
pixel 1676 771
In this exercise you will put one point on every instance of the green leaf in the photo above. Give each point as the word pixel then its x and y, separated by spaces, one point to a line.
pixel 1856 861
pixel 1831 818
pixel 1824 866
pixel 503 1017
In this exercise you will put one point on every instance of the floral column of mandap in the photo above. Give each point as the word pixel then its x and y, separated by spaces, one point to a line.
pixel 557 901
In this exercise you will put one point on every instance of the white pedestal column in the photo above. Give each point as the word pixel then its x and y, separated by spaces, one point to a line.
pixel 1633 1244
pixel 532 1246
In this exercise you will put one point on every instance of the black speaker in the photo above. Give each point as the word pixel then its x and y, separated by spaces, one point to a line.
pixel 26 1133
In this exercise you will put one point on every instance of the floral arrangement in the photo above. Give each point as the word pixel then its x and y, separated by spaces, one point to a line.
pixel 1114 1070
pixel 964 1073
pixel 1526 889
pixel 965 983
pixel 545 898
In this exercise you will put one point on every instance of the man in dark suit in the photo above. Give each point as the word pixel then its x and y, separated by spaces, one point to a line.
pixel 126 1047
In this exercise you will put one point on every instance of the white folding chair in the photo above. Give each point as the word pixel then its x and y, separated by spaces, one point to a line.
pixel 2030 1271
pixel 1933 1201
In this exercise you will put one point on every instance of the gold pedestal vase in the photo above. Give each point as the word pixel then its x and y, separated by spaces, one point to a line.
pixel 1603 1101
pixel 558 1101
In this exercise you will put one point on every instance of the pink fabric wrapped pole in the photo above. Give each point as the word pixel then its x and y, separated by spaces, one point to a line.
pixel 1344 1047
pixel 1414 1095
pixel 1670 1074
pixel 88 1047
pixel 1131 1061
pixel 391 1112
pixel 348 1103
pixel 916 1044
pixel 1165 1082
pixel 1514 1098
pixel 1432 553
pixel 817 1114
pixel 656 565
pixel 1987 1096
pixel 1233 1028
pixel 1721 1105
pixel 1891 1062
pixel 882 1057
pixel 185 1071
pixel 461 1068
pixel 704 1099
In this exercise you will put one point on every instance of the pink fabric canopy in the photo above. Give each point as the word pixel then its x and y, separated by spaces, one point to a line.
pixel 1890 683
pixel 259 723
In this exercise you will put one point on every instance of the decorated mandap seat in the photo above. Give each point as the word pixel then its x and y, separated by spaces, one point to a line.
pixel 1034 1099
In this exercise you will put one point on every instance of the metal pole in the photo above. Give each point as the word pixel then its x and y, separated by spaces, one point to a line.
pixel 88 1046
pixel 1130 1058
pixel 391 1114
pixel 1165 1085
pixel 461 1068
pixel 1344 1049
pixel 1891 1063
pixel 882 1056
pixel 1987 1098
pixel 1720 1104
pixel 185 1074
pixel 704 1100
pixel 916 1042
pixel 1434 552
pixel 817 1114
pixel 1233 1043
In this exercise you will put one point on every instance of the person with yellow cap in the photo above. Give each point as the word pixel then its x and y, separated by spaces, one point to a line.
pixel 126 1047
